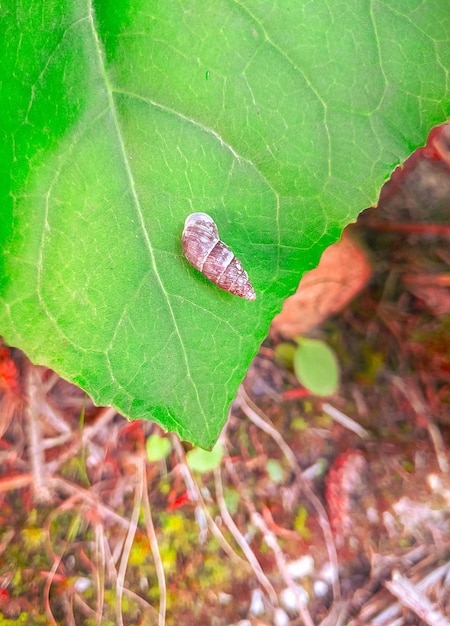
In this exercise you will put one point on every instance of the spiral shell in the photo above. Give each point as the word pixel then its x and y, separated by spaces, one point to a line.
pixel 214 259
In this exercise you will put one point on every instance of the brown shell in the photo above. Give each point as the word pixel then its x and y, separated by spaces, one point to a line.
pixel 214 259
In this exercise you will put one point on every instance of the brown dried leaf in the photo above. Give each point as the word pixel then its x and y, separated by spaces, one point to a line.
pixel 342 272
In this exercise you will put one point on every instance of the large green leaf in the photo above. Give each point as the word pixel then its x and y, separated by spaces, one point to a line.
pixel 279 118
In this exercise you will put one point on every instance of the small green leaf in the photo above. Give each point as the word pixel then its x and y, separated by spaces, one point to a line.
pixel 285 354
pixel 301 523
pixel 299 424
pixel 157 448
pixel 275 471
pixel 232 500
pixel 316 367
pixel 203 460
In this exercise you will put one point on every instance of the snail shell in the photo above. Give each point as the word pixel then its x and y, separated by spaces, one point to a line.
pixel 214 259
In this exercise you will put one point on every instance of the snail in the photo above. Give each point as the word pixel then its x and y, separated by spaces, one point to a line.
pixel 213 258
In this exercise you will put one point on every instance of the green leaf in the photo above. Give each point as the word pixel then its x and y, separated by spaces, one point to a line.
pixel 301 523
pixel 285 354
pixel 157 448
pixel 203 460
pixel 275 471
pixel 279 118
pixel 316 367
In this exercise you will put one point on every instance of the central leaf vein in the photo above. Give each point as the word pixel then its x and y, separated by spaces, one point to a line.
pixel 139 212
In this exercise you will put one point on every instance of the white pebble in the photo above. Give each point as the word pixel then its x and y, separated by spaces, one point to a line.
pixel 256 604
pixel 290 599
pixel 301 567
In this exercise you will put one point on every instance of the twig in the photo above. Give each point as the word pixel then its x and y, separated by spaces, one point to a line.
pixel 144 605
pixel 240 540
pixel 439 447
pixel 272 543
pixel 252 412
pixel 418 405
pixel 154 548
pixel 18 481
pixel 90 499
pixel 195 496
pixel 418 558
pixel 125 557
pixel 105 416
pixel 437 230
pixel 409 595
pixel 47 586
pixel 99 573
pixel 52 415
pixel 337 616
pixel 345 421
pixel 37 459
